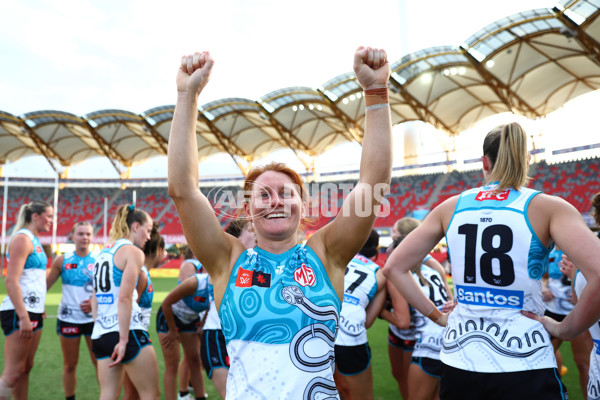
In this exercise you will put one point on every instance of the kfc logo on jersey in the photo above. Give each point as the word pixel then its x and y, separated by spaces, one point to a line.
pixel 150 289
pixel 69 330
pixel 305 276
pixel 244 278
pixel 492 195
pixel 70 266
pixel 90 267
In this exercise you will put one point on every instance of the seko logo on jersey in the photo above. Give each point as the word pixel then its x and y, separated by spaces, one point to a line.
pixel 104 298
pixel 492 195
pixel 305 276
pixel 489 297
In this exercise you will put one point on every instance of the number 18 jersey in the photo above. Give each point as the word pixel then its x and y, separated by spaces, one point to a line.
pixel 497 265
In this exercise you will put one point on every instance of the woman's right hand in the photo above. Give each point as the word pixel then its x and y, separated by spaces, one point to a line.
pixel 371 67
pixel 194 72
pixel 169 339
pixel 25 328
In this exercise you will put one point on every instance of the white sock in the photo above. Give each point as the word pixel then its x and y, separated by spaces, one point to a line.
pixel 5 391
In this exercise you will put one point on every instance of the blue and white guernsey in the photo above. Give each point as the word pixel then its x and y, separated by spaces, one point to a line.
pixel 197 264
pixel 497 266
pixel 360 286
pixel 280 316
pixel 107 285
pixel 212 321
pixel 77 285
pixel 187 309
pixel 33 279
pixel 559 285
pixel 429 336
pixel 146 298
pixel 593 387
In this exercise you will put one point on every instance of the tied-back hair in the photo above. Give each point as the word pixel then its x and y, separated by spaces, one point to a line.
pixel 236 226
pixel 155 243
pixel 369 249
pixel 506 147
pixel 596 208
pixel 406 225
pixel 126 216
pixel 284 169
pixel 26 213
pixel 78 224
pixel 187 252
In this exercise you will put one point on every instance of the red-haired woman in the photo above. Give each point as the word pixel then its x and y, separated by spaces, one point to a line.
pixel 279 303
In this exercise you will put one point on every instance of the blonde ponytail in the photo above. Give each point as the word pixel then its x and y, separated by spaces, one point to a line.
pixel 506 147
pixel 126 216
pixel 26 213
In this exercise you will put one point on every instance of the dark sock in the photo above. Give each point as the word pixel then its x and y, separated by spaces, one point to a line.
pixel 201 398
pixel 183 393
pixel 70 397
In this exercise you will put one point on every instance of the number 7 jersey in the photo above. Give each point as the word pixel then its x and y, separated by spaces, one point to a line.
pixel 497 265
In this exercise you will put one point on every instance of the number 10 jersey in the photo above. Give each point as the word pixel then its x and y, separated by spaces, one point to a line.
pixel 497 265
pixel 107 286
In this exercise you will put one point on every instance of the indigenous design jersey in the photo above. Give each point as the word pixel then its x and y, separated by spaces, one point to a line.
pixel 559 284
pixel 212 321
pixel 429 342
pixel 146 298
pixel 187 309
pixel 107 285
pixel 593 387
pixel 33 278
pixel 360 285
pixel 497 266
pixel 279 316
pixel 77 285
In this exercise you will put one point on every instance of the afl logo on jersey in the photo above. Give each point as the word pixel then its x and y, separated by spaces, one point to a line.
pixel 305 276
pixel 492 195
pixel 70 266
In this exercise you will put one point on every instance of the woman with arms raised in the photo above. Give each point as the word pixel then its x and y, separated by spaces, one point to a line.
pixel 279 302
pixel 499 237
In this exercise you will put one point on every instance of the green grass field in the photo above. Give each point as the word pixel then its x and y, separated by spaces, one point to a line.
pixel 46 377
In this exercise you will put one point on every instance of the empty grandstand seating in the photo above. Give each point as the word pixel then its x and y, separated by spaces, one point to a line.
pixel 575 181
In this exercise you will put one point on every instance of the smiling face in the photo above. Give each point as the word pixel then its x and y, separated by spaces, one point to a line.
pixel 82 237
pixel 275 207
pixel 43 222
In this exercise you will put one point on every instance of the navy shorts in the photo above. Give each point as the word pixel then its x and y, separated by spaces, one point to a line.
pixel 162 327
pixel 104 346
pixel 72 330
pixel 213 351
pixel 406 345
pixel 430 366
pixel 10 321
pixel 522 385
pixel 352 360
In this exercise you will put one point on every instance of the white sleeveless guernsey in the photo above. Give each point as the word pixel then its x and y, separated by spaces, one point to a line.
pixel 497 265
pixel 107 285
pixel 593 387
pixel 77 286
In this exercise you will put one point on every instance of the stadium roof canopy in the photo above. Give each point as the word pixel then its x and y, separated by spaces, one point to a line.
pixel 530 63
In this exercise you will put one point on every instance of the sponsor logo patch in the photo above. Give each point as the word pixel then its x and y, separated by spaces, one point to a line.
pixel 247 278
pixel 70 266
pixel 150 289
pixel 69 330
pixel 489 297
pixel 38 249
pixel 105 298
pixel 350 299
pixel 492 195
pixel 305 276
pixel 199 299
pixel 34 324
